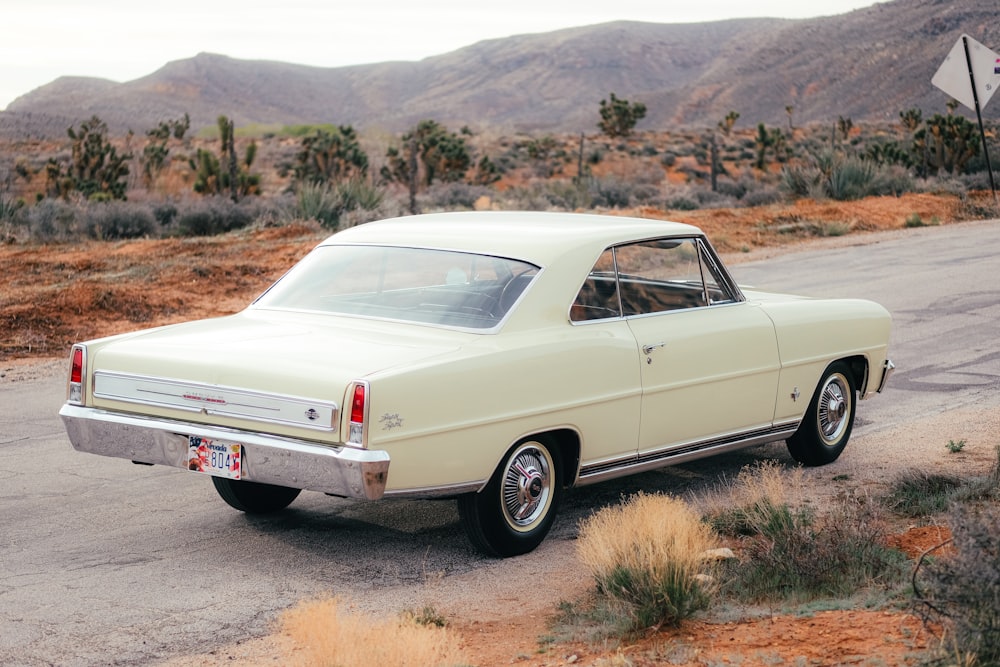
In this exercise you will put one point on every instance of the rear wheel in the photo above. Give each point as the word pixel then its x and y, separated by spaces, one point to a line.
pixel 254 497
pixel 828 422
pixel 514 512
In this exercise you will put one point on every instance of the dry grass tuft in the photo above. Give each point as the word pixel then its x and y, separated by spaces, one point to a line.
pixel 330 635
pixel 648 553
pixel 742 505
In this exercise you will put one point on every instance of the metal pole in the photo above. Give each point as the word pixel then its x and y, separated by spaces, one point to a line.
pixel 979 116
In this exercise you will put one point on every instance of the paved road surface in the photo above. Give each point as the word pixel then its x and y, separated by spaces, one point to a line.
pixel 103 562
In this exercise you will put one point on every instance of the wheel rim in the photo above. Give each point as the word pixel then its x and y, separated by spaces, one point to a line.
pixel 526 490
pixel 834 408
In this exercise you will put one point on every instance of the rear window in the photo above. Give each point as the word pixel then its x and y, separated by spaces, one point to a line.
pixel 439 287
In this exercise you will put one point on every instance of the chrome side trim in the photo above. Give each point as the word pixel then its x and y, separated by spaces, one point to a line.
pixel 219 400
pixel 338 471
pixel 886 374
pixel 621 468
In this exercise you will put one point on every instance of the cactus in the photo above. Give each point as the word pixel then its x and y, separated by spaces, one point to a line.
pixel 946 142
pixel 154 155
pixel 618 117
pixel 443 155
pixel 727 123
pixel 96 169
pixel 330 157
pixel 215 175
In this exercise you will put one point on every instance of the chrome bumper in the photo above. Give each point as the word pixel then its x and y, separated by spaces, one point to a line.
pixel 886 373
pixel 339 471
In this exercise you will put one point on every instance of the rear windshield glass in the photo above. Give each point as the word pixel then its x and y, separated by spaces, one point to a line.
pixel 411 284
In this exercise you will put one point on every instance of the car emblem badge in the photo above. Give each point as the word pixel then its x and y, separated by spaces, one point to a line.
pixel 795 394
pixel 312 415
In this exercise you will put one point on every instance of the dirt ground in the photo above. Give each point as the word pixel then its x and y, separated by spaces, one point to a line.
pixel 51 296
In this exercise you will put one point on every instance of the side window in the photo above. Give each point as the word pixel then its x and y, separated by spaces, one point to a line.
pixel 656 276
pixel 650 277
pixel 598 297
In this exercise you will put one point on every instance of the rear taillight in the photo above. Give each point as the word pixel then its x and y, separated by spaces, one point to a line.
pixel 359 413
pixel 77 375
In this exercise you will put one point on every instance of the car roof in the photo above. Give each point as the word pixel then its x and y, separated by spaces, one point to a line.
pixel 537 237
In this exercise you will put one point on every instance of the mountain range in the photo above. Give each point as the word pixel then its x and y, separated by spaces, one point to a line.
pixel 867 65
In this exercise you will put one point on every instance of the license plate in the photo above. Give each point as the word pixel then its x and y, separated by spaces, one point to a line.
pixel 215 457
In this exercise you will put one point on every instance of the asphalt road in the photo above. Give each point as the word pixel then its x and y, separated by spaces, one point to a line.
pixel 104 562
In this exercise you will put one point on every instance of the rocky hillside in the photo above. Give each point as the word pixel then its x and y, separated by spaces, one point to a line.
pixel 868 65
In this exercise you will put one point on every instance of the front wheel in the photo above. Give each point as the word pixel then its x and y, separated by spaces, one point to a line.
pixel 514 512
pixel 254 497
pixel 828 422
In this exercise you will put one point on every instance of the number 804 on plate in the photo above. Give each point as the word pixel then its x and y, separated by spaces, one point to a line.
pixel 215 457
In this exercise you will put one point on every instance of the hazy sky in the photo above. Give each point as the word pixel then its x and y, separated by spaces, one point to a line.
pixel 123 40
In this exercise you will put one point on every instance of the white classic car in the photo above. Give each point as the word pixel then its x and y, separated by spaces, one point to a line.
pixel 497 358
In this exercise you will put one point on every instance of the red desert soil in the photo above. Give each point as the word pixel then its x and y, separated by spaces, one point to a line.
pixel 51 296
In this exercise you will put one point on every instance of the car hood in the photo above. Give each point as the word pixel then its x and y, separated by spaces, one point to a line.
pixel 296 354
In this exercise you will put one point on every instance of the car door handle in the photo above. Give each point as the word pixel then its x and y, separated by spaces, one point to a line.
pixel 646 349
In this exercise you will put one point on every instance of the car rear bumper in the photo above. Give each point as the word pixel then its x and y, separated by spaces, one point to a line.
pixel 339 471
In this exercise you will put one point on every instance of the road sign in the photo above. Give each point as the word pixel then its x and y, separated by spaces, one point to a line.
pixel 953 75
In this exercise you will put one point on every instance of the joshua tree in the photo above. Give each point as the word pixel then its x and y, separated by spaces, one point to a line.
pixel 618 117
pixel 215 175
pixel 727 123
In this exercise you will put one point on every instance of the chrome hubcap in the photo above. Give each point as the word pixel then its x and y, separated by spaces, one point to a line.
pixel 526 486
pixel 834 408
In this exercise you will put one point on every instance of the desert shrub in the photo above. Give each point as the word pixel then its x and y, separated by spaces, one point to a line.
pixel 733 189
pixel 611 192
pixel 681 203
pixel 9 206
pixel 961 591
pixel 762 197
pixel 793 553
pixel 328 634
pixel 647 554
pixel 50 220
pixel 456 195
pixel 214 215
pixel 328 203
pixel 114 220
pixel 564 195
pixel 976 209
pixel 796 554
pixel 891 180
pixel 979 180
pixel 319 202
pixel 918 493
pixel 849 180
pixel 164 213
pixel 800 181
pixel 743 504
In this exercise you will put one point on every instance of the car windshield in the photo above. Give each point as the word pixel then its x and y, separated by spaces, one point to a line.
pixel 439 287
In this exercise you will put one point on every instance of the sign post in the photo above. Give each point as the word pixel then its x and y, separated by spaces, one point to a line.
pixel 950 78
